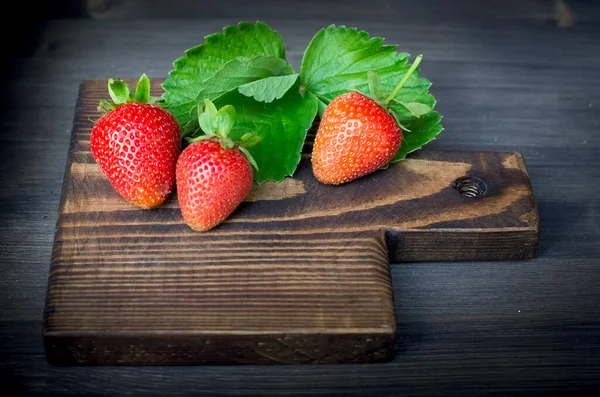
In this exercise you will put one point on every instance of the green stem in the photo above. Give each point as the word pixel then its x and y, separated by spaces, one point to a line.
pixel 412 68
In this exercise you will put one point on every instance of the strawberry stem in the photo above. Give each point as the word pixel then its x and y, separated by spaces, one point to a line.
pixel 410 71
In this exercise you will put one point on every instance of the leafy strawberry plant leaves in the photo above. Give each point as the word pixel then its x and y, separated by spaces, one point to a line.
pixel 245 66
pixel 237 74
pixel 242 43
pixel 339 60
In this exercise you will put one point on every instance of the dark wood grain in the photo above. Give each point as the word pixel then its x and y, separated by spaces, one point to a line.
pixel 298 274
pixel 506 79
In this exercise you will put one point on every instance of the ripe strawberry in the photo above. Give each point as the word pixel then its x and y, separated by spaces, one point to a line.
pixel 136 145
pixel 357 135
pixel 213 173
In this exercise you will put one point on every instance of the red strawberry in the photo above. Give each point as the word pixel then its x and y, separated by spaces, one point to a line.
pixel 213 174
pixel 357 135
pixel 136 145
pixel 211 182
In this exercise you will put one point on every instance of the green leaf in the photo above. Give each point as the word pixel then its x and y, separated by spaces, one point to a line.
pixel 190 72
pixel 239 72
pixel 423 130
pixel 338 60
pixel 415 108
pixel 234 74
pixel 118 91
pixel 268 89
pixel 281 126
pixel 142 89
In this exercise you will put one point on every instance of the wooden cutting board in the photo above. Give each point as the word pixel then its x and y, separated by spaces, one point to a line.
pixel 298 274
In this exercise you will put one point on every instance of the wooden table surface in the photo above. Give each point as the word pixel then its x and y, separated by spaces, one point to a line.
pixel 506 78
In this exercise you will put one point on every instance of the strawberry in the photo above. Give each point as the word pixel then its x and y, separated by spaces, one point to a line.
pixel 136 145
pixel 357 135
pixel 214 174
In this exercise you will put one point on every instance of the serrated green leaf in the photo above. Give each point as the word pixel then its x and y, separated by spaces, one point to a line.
pixel 234 74
pixel 268 89
pixel 415 108
pixel 281 126
pixel 142 89
pixel 423 129
pixel 239 72
pixel 244 41
pixel 118 91
pixel 338 60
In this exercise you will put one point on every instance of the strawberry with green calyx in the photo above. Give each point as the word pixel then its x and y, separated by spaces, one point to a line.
pixel 214 173
pixel 120 94
pixel 358 134
pixel 136 144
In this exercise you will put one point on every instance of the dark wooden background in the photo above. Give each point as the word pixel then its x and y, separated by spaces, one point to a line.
pixel 507 77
